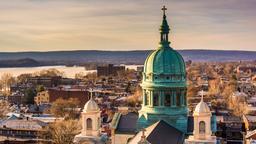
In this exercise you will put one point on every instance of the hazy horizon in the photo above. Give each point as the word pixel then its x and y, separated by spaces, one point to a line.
pixel 124 50
pixel 64 25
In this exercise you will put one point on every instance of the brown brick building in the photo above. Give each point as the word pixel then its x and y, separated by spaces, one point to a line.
pixel 50 81
pixel 53 94
pixel 246 69
pixel 109 70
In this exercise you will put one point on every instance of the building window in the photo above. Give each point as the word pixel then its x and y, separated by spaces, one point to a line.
pixel 201 127
pixel 155 99
pixel 178 77
pixel 146 98
pixel 89 124
pixel 178 98
pixel 167 101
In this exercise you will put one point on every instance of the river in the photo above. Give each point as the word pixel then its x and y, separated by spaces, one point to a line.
pixel 69 72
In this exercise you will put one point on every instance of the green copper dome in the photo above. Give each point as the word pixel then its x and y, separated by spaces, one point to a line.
pixel 164 85
pixel 165 61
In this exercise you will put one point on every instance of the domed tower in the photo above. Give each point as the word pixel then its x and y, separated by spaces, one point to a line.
pixel 202 121
pixel 202 132
pixel 164 85
pixel 91 123
pixel 91 119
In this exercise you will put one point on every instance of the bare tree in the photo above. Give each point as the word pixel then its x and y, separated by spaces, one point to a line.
pixel 135 98
pixel 62 132
pixel 49 73
pixel 214 88
pixel 91 77
pixel 23 78
pixel 4 108
pixel 192 90
pixel 6 81
pixel 65 108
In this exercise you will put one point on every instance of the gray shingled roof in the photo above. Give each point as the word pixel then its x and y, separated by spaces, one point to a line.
pixel 161 133
pixel 190 125
pixel 127 123
pixel 23 124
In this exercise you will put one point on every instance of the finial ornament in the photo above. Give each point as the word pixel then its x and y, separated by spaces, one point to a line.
pixel 143 134
pixel 91 90
pixel 202 95
pixel 164 9
pixel 164 30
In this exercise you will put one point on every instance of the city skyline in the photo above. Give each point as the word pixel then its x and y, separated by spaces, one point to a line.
pixel 44 25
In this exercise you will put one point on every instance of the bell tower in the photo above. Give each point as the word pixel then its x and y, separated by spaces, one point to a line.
pixel 91 124
pixel 202 125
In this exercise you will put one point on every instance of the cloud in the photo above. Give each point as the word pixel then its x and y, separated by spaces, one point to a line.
pixel 38 25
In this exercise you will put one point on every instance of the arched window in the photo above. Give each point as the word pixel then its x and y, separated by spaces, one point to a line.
pixel 167 100
pixel 89 124
pixel 201 127
pixel 178 103
pixel 155 99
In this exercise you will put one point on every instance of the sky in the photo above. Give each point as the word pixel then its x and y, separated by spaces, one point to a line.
pixel 53 25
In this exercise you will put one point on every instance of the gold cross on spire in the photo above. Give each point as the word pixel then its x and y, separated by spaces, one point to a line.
pixel 164 9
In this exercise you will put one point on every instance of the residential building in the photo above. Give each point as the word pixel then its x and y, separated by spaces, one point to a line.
pixel 64 92
pixel 109 70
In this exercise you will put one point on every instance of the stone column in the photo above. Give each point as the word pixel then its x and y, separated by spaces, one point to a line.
pixel 144 97
pixel 182 97
pixel 161 98
pixel 151 98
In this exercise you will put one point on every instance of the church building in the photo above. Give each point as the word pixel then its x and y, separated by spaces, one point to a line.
pixel 163 118
pixel 164 85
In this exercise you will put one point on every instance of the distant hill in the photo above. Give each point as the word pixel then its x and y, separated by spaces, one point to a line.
pixel 27 62
pixel 116 57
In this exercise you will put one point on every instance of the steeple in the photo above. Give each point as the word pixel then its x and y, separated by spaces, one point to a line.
pixel 164 29
pixel 164 97
pixel 91 91
pixel 91 124
pixel 202 96
pixel 202 107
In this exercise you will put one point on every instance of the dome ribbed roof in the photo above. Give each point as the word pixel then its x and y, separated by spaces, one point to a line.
pixel 91 106
pixel 202 108
pixel 165 60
